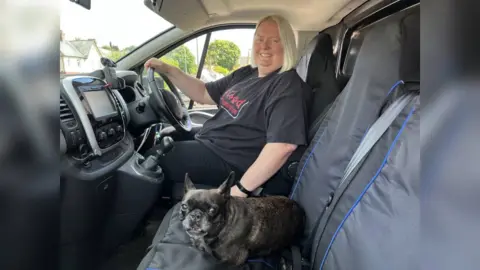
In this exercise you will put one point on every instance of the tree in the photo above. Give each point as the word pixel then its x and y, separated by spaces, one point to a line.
pixel 185 59
pixel 114 55
pixel 222 53
pixel 130 48
pixel 170 61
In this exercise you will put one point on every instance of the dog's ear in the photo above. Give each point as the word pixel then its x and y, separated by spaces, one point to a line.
pixel 224 188
pixel 188 184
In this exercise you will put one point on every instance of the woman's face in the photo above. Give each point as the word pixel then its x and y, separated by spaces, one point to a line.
pixel 268 48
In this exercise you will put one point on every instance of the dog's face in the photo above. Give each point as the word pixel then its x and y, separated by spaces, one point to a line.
pixel 203 211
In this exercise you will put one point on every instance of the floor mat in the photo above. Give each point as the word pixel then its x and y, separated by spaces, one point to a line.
pixel 129 256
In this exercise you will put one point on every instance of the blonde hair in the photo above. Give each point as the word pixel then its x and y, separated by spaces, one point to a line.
pixel 287 37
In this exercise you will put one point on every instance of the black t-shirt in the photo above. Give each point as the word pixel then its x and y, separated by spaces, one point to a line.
pixel 254 111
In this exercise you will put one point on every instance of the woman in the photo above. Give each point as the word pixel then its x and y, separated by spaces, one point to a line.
pixel 261 118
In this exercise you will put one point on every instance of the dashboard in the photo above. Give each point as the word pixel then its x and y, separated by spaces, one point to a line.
pixel 102 118
pixel 94 117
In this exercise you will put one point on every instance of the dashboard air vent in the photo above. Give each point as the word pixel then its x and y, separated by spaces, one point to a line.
pixel 66 114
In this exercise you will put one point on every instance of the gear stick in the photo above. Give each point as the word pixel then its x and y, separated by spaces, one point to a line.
pixel 166 145
pixel 151 162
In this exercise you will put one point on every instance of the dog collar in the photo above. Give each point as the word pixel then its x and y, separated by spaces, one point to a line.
pixel 243 189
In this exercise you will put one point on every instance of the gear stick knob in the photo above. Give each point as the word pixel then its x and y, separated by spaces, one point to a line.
pixel 166 145
pixel 151 161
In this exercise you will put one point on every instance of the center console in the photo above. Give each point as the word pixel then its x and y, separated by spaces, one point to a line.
pixel 106 187
pixel 101 113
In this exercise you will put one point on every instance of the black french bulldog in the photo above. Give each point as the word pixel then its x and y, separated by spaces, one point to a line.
pixel 233 228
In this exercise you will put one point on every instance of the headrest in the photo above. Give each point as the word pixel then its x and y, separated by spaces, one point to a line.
pixel 316 60
pixel 390 52
pixel 410 43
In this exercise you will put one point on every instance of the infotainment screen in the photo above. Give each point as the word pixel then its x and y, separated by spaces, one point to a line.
pixel 100 104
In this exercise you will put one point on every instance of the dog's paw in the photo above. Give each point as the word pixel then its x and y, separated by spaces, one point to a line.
pixel 205 248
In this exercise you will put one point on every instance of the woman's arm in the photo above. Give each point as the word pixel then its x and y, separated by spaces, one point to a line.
pixel 190 86
pixel 271 159
pixel 286 120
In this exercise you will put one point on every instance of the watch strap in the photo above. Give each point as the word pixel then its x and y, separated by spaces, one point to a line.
pixel 243 189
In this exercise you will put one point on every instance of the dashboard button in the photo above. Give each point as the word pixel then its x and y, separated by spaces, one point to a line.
pixel 73 137
pixel 119 128
pixel 70 124
pixel 111 132
pixel 102 136
pixel 141 107
pixel 79 136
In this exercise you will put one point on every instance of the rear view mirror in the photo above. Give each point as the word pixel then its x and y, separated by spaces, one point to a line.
pixel 83 3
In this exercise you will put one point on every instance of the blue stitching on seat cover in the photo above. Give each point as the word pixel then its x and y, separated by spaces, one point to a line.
pixel 395 86
pixel 315 146
pixel 305 164
pixel 368 186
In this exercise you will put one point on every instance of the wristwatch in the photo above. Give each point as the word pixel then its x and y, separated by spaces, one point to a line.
pixel 243 189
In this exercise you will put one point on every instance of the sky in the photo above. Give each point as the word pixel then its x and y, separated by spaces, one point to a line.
pixel 128 22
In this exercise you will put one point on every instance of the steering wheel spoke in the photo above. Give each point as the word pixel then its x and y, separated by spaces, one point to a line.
pixel 169 103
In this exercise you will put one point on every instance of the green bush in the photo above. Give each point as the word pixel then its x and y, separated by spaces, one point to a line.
pixel 221 70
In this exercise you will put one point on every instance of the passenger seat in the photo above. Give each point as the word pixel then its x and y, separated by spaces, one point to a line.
pixel 369 221
pixel 317 68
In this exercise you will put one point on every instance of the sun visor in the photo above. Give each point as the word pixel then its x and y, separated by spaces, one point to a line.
pixel 184 14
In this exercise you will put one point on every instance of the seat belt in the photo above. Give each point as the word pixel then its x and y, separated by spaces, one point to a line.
pixel 372 136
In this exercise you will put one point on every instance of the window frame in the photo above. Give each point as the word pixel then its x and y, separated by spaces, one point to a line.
pixel 364 18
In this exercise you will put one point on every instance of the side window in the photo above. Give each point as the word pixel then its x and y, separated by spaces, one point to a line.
pixel 227 51
pixel 356 42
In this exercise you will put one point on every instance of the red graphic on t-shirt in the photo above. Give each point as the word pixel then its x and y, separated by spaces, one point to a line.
pixel 232 103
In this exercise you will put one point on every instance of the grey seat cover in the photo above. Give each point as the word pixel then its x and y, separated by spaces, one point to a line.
pixel 368 224
pixel 317 68
pixel 355 109
pixel 377 221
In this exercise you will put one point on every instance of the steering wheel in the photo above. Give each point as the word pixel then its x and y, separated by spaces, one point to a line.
pixel 169 103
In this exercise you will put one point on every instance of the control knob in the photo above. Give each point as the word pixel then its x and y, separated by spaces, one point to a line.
pixel 141 107
pixel 111 132
pixel 119 129
pixel 102 136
